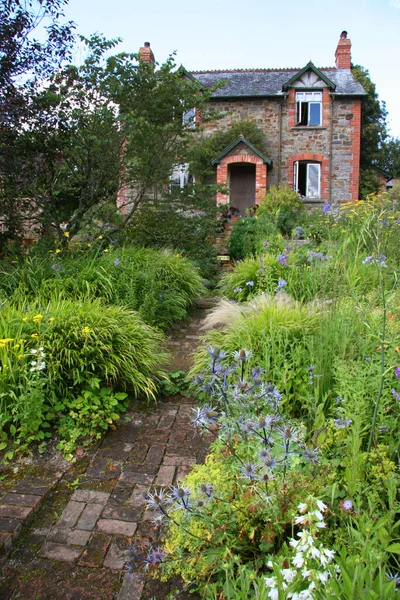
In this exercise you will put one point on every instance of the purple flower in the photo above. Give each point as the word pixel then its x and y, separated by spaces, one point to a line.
pixel 116 262
pixel 282 260
pixel 347 505
pixel 250 283
pixel 327 208
pixel 155 556
pixel 281 284
pixel 342 423
pixel 367 358
pixel 249 471
pixel 237 290
pixel 266 244
pixel 396 395
pixel 397 372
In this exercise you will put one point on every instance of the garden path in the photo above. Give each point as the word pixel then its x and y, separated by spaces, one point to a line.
pixel 75 547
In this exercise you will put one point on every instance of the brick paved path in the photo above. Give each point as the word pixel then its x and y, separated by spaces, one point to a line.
pixel 76 545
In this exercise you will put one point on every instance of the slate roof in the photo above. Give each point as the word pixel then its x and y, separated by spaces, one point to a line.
pixel 269 82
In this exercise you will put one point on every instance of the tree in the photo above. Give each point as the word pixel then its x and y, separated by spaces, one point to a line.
pixel 110 122
pixel 24 63
pixel 389 159
pixel 373 132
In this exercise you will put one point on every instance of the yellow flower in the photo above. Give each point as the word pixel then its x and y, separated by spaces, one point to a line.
pixel 89 245
pixel 58 251
pixel 100 237
pixel 106 250
pixel 20 356
pixel 6 340
pixel 66 234
pixel 86 330
pixel 34 335
pixel 25 319
pixel 37 318
pixel 52 319
pixel 16 347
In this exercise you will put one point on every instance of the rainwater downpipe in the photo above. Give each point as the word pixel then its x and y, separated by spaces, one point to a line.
pixel 280 138
pixel 331 152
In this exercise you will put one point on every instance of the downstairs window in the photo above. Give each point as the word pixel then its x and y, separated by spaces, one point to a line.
pixel 307 178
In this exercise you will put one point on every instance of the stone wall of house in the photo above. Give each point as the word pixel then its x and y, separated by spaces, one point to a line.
pixel 275 116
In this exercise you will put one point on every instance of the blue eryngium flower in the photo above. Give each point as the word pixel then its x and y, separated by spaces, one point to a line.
pixel 242 355
pixel 216 353
pixel 249 470
pixel 342 423
pixel 205 415
pixel 327 208
pixel 281 284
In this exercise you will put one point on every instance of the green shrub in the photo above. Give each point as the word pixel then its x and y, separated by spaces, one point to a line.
pixel 284 206
pixel 51 360
pixel 247 235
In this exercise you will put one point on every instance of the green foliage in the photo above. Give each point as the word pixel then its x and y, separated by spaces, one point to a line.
pixel 188 227
pixel 159 284
pixel 209 146
pixel 247 235
pixel 373 131
pixel 284 207
pixel 175 382
pixel 54 364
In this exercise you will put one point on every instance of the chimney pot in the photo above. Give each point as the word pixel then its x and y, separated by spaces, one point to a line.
pixel 343 35
pixel 147 44
pixel 146 54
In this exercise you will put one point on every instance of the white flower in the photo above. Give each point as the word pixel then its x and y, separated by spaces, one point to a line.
pixel 298 560
pixel 270 581
pixel 273 594
pixel 288 575
pixel 320 525
pixel 315 553
pixel 322 507
pixel 305 573
pixel 33 351
pixel 33 363
pixel 319 515
pixel 329 553
pixel 324 576
pixel 302 507
pixel 300 520
pixel 41 348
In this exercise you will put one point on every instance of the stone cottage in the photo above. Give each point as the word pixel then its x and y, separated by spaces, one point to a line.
pixel 311 118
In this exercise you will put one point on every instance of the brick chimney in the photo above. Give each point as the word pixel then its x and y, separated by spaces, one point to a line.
pixel 146 54
pixel 343 52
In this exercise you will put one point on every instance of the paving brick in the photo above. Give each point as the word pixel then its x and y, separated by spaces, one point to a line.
pixel 22 513
pixel 116 527
pixel 96 550
pixel 117 554
pixel 22 500
pixel 60 552
pixel 165 475
pixel 133 477
pixel 121 513
pixel 121 493
pixel 104 468
pixel 181 472
pixel 166 421
pixel 12 526
pixel 71 514
pixel 5 544
pixel 138 453
pixel 25 487
pixel 117 450
pixel 155 454
pixel 132 587
pixel 90 497
pixel 138 496
pixel 73 537
pixel 89 516
pixel 178 461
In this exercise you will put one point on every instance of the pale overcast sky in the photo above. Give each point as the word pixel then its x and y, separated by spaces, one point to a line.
pixel 229 34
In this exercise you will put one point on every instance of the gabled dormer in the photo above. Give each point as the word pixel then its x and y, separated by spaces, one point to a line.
pixel 309 77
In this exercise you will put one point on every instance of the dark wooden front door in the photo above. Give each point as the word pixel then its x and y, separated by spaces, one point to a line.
pixel 242 186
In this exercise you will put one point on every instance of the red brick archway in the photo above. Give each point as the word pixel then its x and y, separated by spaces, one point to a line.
pixel 261 175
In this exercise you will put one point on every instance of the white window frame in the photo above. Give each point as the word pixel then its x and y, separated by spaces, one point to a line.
pixel 309 98
pixel 180 176
pixel 309 167
pixel 189 118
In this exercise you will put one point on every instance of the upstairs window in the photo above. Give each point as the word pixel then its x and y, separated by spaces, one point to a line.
pixel 309 108
pixel 307 179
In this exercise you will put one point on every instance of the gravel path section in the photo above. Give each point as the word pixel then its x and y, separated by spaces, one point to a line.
pixel 74 528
